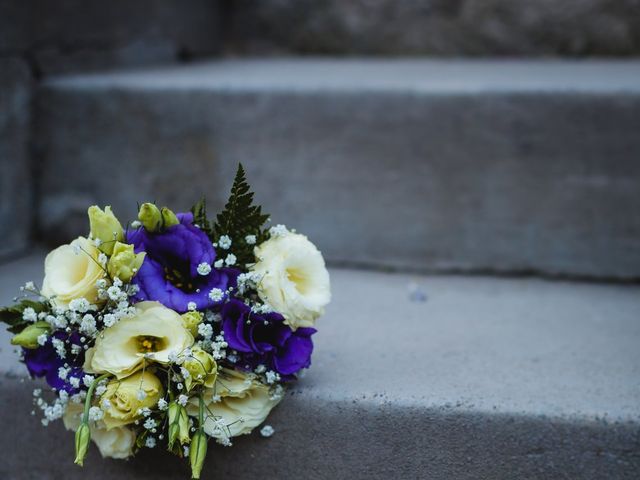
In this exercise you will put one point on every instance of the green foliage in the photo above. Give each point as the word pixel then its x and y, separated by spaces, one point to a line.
pixel 199 211
pixel 240 218
pixel 12 315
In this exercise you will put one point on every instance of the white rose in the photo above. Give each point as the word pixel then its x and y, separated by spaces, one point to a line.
pixel 244 404
pixel 117 442
pixel 155 331
pixel 295 281
pixel 71 271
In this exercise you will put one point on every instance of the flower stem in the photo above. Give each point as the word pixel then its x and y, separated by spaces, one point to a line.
pixel 87 402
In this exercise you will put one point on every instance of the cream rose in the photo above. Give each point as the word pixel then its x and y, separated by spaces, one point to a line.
pixel 155 331
pixel 295 281
pixel 127 396
pixel 117 442
pixel 71 271
pixel 244 404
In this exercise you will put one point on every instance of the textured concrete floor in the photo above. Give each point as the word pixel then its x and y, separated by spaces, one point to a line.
pixel 487 378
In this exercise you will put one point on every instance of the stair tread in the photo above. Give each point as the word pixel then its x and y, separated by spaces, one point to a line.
pixel 477 345
pixel 360 74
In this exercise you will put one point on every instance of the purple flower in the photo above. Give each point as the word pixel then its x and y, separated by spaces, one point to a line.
pixel 169 273
pixel 265 339
pixel 45 362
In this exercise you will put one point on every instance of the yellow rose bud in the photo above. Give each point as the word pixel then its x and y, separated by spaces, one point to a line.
pixel 105 227
pixel 197 453
pixel 128 396
pixel 178 424
pixel 202 369
pixel 28 338
pixel 169 218
pixel 150 217
pixel 123 263
pixel 191 320
pixel 83 436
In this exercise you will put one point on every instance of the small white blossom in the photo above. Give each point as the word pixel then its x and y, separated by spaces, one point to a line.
pixel 102 283
pixel 62 373
pixel 109 320
pixel 29 315
pixel 216 398
pixel 42 339
pixel 88 325
pixel 250 239
pixel 102 259
pixel 88 380
pixel 80 305
pixel 150 442
pixel 205 330
pixel 182 400
pixel 95 414
pixel 114 292
pixel 74 382
pixel 278 231
pixel 149 424
pixel 218 263
pixel 184 372
pixel 216 294
pixel 141 395
pixel 230 260
pixel 204 269
pixel 191 306
pixel 272 377
pixel 162 404
pixel 224 242
pixel 136 224
pixel 267 431
pixel 59 346
pixel 106 404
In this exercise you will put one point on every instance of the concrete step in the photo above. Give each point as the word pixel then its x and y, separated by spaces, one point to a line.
pixel 487 378
pixel 510 166
pixel 82 35
pixel 435 27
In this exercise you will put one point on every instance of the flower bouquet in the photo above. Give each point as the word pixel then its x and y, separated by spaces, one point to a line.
pixel 173 329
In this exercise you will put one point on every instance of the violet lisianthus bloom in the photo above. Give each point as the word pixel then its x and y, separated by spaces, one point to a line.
pixel 264 339
pixel 45 362
pixel 178 268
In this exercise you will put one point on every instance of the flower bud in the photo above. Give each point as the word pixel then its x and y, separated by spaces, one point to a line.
pixel 202 368
pixel 83 436
pixel 191 320
pixel 105 227
pixel 123 262
pixel 150 217
pixel 169 218
pixel 28 338
pixel 178 424
pixel 197 453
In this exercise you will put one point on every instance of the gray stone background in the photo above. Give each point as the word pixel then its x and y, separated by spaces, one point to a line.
pixel 480 141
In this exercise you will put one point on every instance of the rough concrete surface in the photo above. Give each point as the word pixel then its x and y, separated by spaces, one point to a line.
pixel 16 186
pixel 80 35
pixel 487 378
pixel 435 27
pixel 412 164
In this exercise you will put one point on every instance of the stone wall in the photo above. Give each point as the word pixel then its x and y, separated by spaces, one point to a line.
pixel 436 27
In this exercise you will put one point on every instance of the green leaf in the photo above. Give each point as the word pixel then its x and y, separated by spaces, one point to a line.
pixel 240 218
pixel 199 211
pixel 12 315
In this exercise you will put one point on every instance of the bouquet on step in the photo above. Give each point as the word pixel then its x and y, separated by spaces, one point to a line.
pixel 172 330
